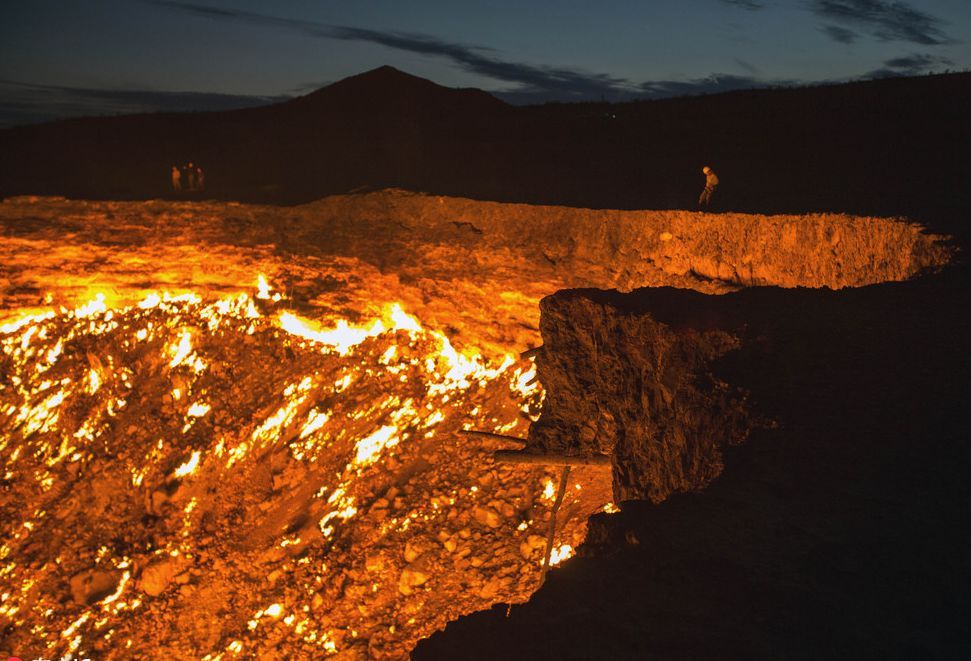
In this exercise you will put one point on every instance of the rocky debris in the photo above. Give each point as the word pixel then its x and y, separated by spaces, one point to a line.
pixel 93 585
pixel 487 516
pixel 157 576
pixel 412 576
pixel 238 527
pixel 529 546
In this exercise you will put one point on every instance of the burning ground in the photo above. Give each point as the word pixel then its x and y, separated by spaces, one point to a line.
pixel 200 461
pixel 209 481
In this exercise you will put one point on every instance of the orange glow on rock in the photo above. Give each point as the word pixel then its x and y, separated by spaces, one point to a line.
pixel 171 378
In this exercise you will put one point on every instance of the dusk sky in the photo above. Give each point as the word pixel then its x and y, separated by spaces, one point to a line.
pixel 62 58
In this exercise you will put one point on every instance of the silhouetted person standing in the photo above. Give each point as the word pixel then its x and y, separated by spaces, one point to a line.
pixel 190 174
pixel 200 179
pixel 176 179
pixel 711 183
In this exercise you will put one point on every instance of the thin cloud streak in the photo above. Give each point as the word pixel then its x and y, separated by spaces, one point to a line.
pixel 713 84
pixel 750 5
pixel 747 66
pixel 887 21
pixel 910 65
pixel 26 103
pixel 838 34
pixel 567 83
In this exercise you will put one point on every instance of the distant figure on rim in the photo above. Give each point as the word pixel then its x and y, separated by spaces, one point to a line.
pixel 711 183
pixel 190 175
pixel 176 179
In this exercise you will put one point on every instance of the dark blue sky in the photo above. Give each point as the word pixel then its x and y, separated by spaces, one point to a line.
pixel 65 58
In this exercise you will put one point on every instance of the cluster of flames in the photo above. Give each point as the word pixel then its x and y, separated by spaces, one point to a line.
pixel 62 396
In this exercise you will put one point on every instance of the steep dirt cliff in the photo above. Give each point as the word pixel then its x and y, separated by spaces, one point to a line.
pixel 839 531
pixel 708 252
pixel 447 259
pixel 639 390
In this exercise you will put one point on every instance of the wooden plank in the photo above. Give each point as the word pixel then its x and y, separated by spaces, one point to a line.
pixel 489 434
pixel 519 457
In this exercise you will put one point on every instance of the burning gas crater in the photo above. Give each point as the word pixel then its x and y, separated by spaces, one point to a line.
pixel 223 478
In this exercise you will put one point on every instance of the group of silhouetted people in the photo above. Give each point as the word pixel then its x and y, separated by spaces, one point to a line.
pixel 189 177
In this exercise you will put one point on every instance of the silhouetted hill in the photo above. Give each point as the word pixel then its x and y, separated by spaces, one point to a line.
pixel 894 146
pixel 386 90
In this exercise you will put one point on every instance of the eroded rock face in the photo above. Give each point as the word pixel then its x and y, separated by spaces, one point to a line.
pixel 842 527
pixel 626 384
pixel 629 249
pixel 414 235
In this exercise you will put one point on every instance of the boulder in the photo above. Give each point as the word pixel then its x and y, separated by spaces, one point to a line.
pixel 158 575
pixel 91 586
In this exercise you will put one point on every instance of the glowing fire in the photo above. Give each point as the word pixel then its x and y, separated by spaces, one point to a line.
pixel 152 397
pixel 189 466
pixel 368 448
pixel 343 337
pixel 561 553
pixel 181 350
pixel 549 489
pixel 263 290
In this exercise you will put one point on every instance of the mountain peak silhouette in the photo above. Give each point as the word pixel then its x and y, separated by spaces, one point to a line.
pixel 387 87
